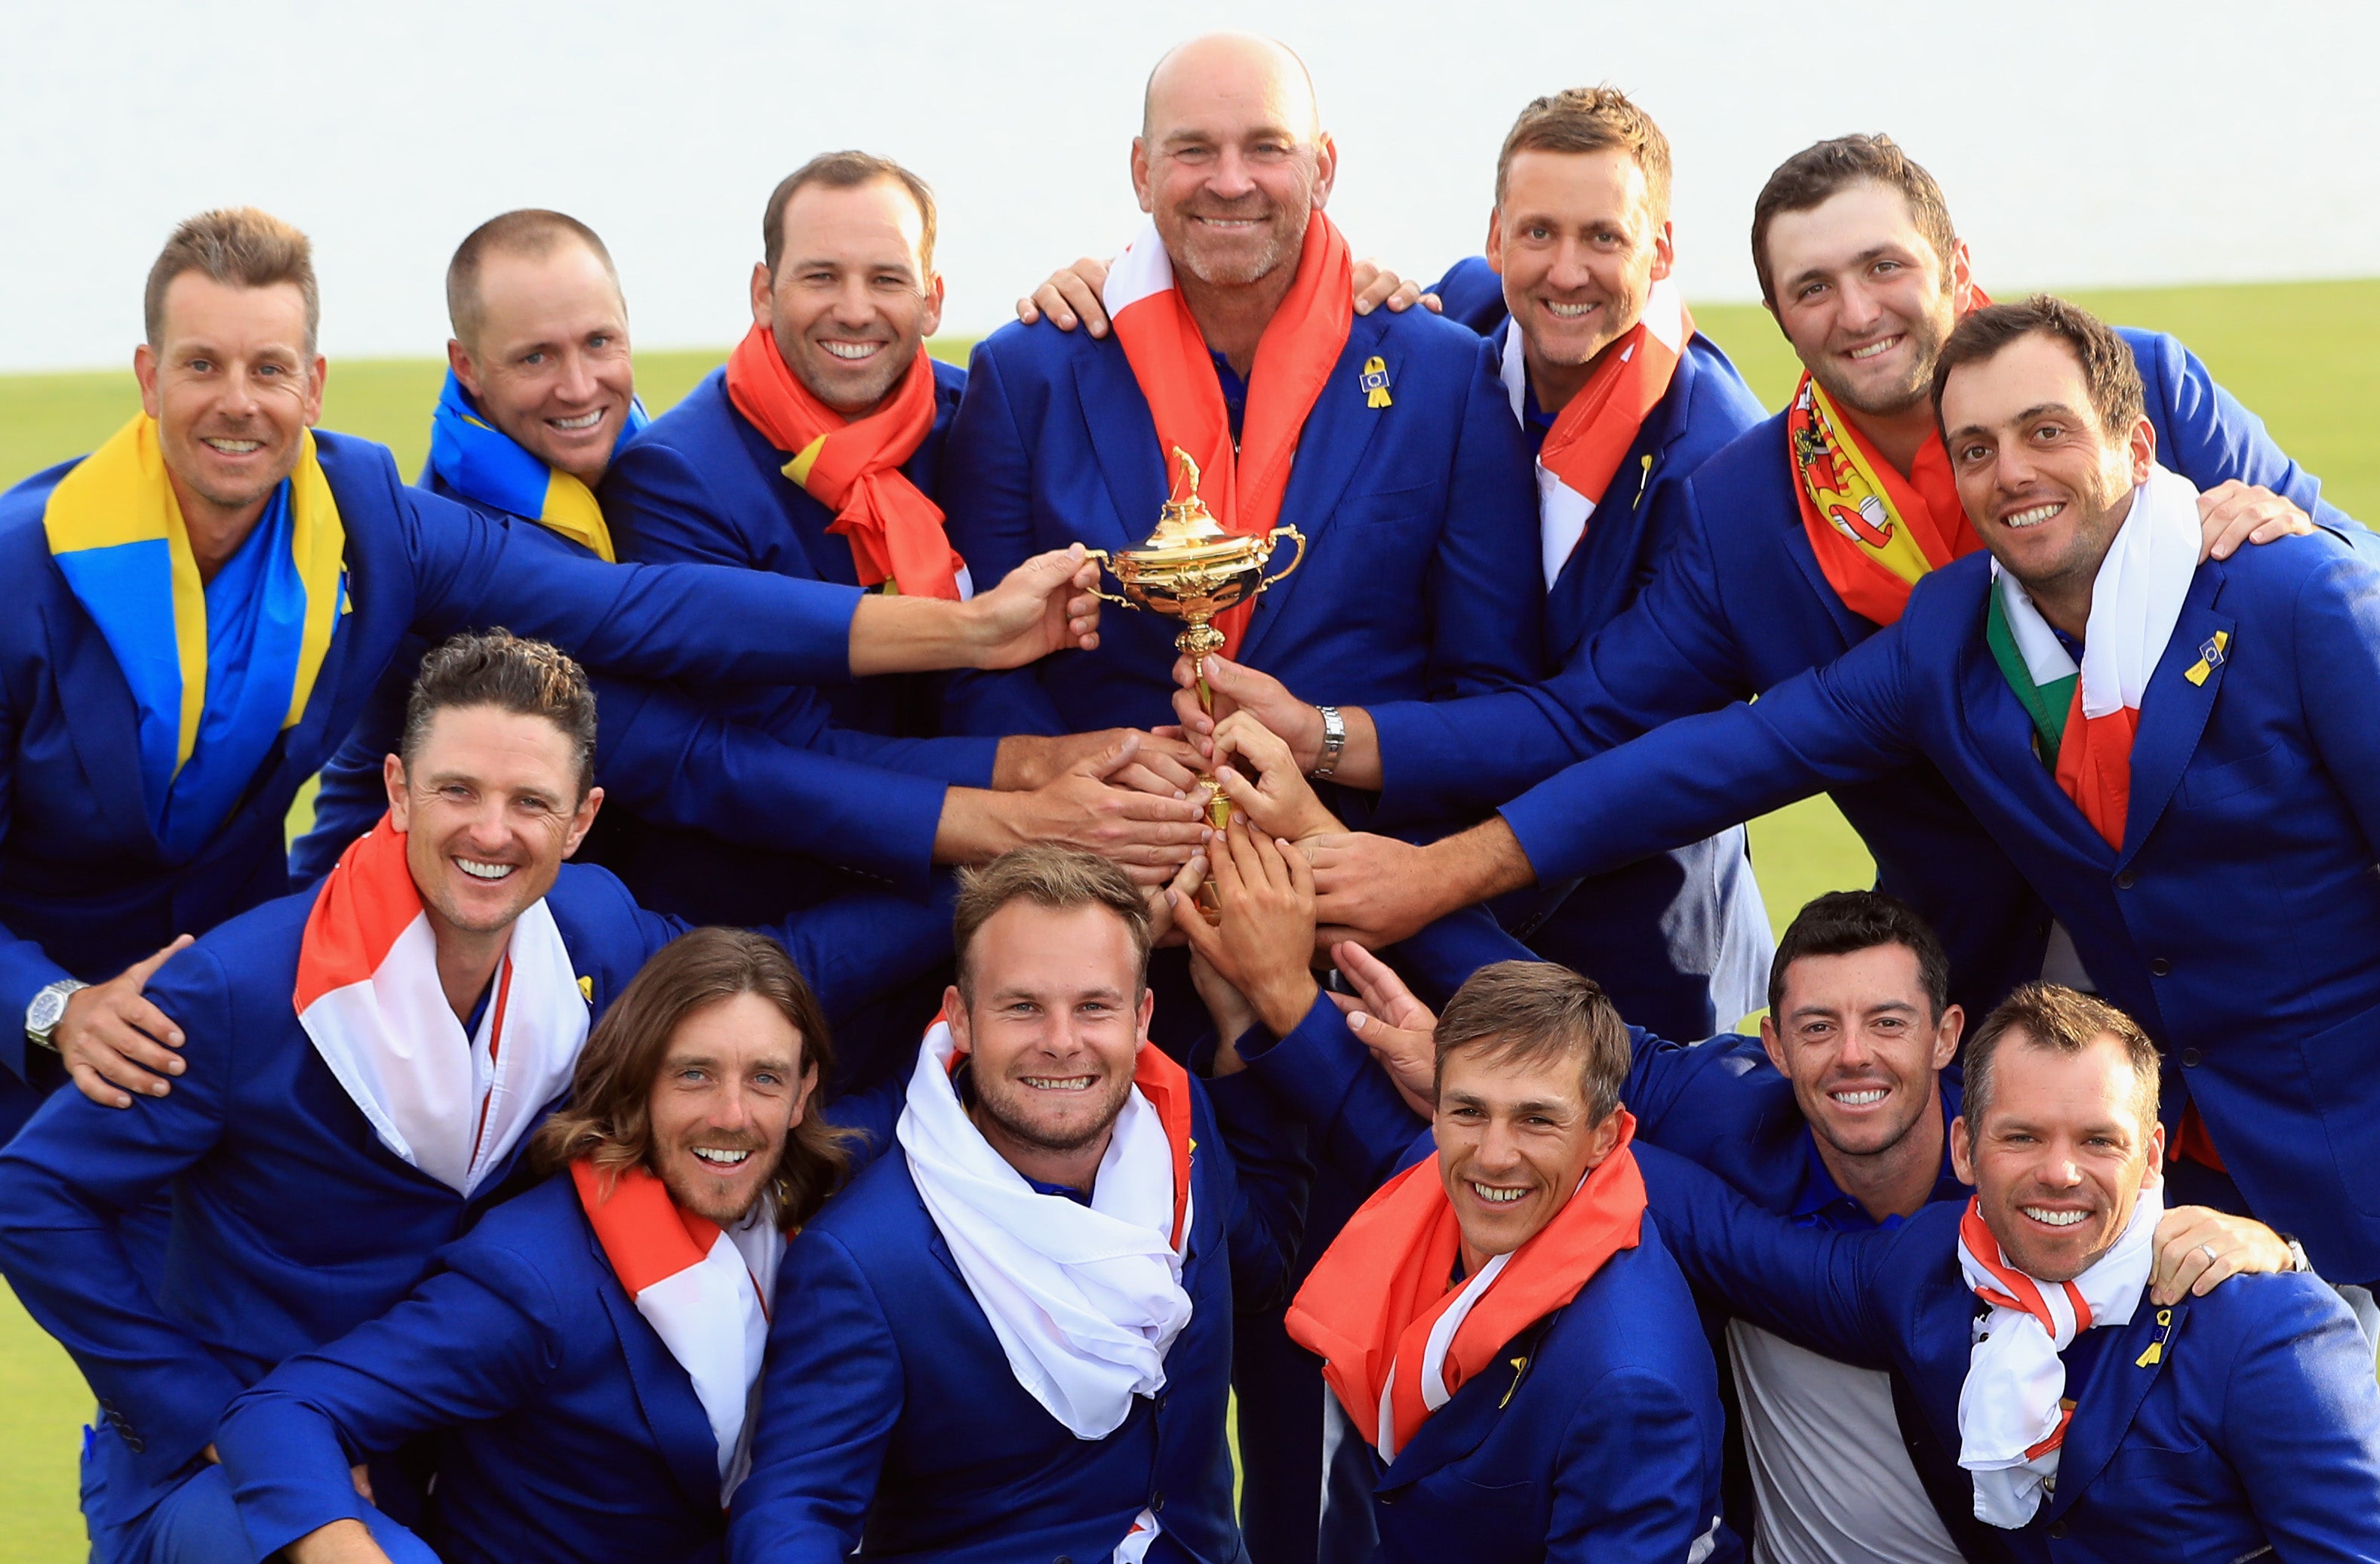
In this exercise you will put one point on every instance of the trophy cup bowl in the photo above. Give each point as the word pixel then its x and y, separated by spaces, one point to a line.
pixel 1191 570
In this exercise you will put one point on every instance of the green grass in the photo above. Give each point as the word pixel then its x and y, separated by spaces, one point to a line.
pixel 2304 356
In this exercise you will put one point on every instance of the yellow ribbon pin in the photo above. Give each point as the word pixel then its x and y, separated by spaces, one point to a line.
pixel 1520 1367
pixel 1375 382
pixel 2156 1349
pixel 2210 657
pixel 587 989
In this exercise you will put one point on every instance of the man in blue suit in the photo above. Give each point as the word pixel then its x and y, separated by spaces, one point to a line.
pixel 1860 264
pixel 212 598
pixel 585 1358
pixel 2079 1417
pixel 818 453
pixel 318 1150
pixel 1500 1325
pixel 1619 400
pixel 1051 1167
pixel 541 392
pixel 2204 761
pixel 1837 1117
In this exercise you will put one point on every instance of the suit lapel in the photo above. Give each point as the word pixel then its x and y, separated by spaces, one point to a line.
pixel 1122 437
pixel 1337 435
pixel 2104 1409
pixel 2175 708
pixel 105 726
pixel 1570 618
pixel 674 1415
pixel 1464 1424
pixel 2003 731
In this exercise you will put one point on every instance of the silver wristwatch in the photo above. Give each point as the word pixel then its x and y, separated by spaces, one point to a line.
pixel 48 1008
pixel 1334 741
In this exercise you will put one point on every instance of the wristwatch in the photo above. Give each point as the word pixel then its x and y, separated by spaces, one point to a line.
pixel 1334 741
pixel 48 1008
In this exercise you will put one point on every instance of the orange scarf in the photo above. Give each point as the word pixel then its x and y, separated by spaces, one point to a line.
pixel 1370 1305
pixel 855 468
pixel 1294 359
pixel 1591 436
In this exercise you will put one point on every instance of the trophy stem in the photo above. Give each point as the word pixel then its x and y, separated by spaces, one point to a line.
pixel 1199 637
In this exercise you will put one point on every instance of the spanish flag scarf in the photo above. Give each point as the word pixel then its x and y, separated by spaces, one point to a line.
pixel 2013 1408
pixel 482 463
pixel 702 1287
pixel 1242 482
pixel 216 669
pixel 1592 434
pixel 1397 1341
pixel 1875 532
pixel 449 1104
pixel 853 469
pixel 2085 717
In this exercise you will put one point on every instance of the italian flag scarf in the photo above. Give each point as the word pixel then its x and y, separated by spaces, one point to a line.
pixel 1397 1341
pixel 2085 717
pixel 1242 483
pixel 702 1287
pixel 2013 1407
pixel 450 1105
pixel 1592 434
pixel 854 468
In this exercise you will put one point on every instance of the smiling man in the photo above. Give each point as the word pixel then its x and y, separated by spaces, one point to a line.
pixel 212 597
pixel 2086 1421
pixel 365 1064
pixel 1011 1338
pixel 1803 539
pixel 608 1321
pixel 2170 749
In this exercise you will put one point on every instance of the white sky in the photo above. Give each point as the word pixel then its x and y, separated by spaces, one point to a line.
pixel 2081 143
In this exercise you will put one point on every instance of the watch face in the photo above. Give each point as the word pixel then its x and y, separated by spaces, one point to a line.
pixel 48 1005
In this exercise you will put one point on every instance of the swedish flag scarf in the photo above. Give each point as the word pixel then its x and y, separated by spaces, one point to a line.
pixel 216 669
pixel 481 462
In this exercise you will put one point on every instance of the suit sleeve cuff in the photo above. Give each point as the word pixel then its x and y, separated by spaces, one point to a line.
pixel 289 1470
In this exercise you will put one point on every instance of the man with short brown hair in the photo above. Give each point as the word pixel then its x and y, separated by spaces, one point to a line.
pixel 585 1360
pixel 209 600
pixel 1011 1337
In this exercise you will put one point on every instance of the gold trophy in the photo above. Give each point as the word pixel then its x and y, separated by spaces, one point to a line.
pixel 1191 570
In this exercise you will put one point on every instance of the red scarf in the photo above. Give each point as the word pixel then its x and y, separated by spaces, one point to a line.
pixel 1294 359
pixel 1592 434
pixel 1369 1305
pixel 855 468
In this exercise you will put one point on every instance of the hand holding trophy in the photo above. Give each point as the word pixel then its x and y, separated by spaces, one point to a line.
pixel 1191 570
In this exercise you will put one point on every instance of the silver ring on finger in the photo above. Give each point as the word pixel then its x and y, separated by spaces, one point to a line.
pixel 2212 1258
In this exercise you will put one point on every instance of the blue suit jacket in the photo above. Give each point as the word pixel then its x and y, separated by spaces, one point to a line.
pixel 1421 573
pixel 674 760
pixel 565 1429
pixel 2256 1425
pixel 292 1223
pixel 701 485
pixel 1598 1434
pixel 1738 604
pixel 85 888
pixel 2255 805
pixel 888 1408
pixel 1682 941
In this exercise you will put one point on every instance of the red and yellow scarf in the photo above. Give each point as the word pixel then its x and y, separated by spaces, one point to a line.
pixel 1373 1307
pixel 1242 484
pixel 1875 532
pixel 853 469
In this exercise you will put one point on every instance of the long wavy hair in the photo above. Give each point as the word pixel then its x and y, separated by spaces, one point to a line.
pixel 608 1118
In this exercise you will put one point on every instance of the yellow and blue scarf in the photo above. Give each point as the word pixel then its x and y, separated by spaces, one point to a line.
pixel 482 463
pixel 217 669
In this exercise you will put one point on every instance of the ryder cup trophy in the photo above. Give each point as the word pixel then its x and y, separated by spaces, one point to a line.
pixel 1191 570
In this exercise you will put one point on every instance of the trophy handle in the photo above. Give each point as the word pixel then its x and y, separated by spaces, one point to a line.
pixel 1295 560
pixel 1102 555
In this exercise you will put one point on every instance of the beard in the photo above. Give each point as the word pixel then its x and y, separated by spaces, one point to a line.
pixel 1010 1106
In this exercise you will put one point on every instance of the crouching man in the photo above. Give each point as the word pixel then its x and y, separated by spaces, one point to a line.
pixel 586 1356
pixel 1011 1337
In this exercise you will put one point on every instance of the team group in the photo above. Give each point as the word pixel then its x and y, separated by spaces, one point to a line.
pixel 446 1199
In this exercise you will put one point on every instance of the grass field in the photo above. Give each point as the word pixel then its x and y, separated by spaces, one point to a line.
pixel 2304 356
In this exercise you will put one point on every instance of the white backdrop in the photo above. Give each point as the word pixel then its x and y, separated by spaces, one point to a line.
pixel 2080 143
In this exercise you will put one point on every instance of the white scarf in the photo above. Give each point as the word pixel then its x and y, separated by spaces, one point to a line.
pixel 451 1105
pixel 1085 1301
pixel 2010 1421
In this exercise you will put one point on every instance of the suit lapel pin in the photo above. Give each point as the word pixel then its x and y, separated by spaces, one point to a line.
pixel 587 989
pixel 1520 1367
pixel 2156 1354
pixel 1375 382
pixel 2211 654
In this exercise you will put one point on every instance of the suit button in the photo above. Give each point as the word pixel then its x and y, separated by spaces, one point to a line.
pixel 2160 968
pixel 2057 1528
pixel 2189 1059
pixel 1062 1559
pixel 2124 881
pixel 1160 1400
pixel 1156 1502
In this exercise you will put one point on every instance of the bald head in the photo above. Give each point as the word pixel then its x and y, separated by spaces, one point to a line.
pixel 1235 66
